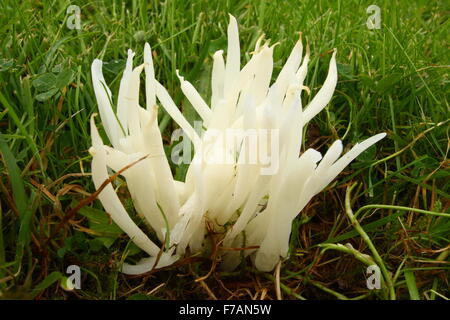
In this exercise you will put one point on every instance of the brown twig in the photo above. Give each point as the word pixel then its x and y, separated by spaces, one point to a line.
pixel 71 213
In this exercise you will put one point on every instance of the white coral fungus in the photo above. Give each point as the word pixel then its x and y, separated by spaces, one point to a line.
pixel 249 207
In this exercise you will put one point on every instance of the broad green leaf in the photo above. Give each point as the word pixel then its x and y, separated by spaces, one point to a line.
pixel 64 78
pixel 46 95
pixel 45 82
pixel 6 64
pixel 100 222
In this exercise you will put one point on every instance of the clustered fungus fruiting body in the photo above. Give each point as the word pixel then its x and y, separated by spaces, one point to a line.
pixel 251 203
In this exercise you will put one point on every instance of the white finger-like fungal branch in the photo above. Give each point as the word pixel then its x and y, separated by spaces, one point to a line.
pixel 248 178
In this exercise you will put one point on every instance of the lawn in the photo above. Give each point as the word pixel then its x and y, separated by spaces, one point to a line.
pixel 392 79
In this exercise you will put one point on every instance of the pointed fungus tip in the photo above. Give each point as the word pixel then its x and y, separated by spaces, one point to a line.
pixel 181 78
pixel 274 45
pixel 232 18
pixel 93 116
pixel 139 68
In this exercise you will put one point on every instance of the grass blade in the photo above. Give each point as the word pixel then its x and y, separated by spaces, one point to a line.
pixel 412 285
pixel 47 282
pixel 20 199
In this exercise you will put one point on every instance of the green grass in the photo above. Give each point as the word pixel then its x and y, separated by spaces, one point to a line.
pixel 394 79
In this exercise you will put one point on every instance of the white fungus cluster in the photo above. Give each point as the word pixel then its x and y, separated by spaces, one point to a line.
pixel 250 207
